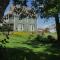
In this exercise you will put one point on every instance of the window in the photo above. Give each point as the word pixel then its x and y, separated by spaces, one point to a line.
pixel 20 27
pixel 32 27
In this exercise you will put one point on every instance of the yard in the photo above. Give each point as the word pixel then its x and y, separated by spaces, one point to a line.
pixel 26 46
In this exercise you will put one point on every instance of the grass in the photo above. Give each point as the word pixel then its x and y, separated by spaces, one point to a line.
pixel 19 40
pixel 54 34
pixel 26 47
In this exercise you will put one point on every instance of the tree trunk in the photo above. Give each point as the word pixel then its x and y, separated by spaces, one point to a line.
pixel 57 26
pixel 3 5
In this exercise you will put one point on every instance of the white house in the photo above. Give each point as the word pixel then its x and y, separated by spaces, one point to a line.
pixel 17 24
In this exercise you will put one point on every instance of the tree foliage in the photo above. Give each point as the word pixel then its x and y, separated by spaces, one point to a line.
pixel 23 12
pixel 3 5
pixel 51 7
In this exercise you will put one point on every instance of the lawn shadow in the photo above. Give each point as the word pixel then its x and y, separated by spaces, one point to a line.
pixel 27 54
pixel 40 40
pixel 24 53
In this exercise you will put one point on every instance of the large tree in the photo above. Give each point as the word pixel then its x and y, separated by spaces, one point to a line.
pixel 3 5
pixel 50 8
pixel 23 10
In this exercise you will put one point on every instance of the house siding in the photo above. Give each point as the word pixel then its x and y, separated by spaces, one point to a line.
pixel 25 24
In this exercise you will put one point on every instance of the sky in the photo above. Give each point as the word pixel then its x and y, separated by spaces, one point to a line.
pixel 41 23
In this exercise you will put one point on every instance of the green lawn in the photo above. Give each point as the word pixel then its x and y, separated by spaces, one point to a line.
pixel 30 48
pixel 52 34
pixel 18 41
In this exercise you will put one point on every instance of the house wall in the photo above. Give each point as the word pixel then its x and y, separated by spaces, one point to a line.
pixel 25 24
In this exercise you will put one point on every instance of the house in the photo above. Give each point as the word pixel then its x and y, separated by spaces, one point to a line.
pixel 16 23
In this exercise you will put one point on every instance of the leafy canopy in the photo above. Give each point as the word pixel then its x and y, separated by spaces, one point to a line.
pixel 51 7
